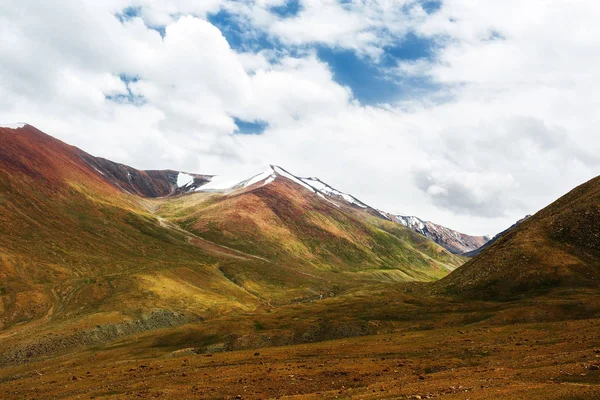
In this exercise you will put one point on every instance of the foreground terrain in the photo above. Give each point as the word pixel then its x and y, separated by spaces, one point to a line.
pixel 523 350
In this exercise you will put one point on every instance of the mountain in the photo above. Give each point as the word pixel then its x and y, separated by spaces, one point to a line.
pixel 493 240
pixel 279 217
pixel 145 183
pixel 456 242
pixel 77 246
pixel 88 243
pixel 559 247
pixel 121 283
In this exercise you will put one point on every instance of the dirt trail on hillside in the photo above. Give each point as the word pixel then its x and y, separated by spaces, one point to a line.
pixel 212 247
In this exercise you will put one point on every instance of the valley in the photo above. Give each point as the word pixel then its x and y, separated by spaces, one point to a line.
pixel 120 283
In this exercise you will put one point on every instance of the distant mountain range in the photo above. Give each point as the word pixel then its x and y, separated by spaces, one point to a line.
pixel 456 242
pixel 169 183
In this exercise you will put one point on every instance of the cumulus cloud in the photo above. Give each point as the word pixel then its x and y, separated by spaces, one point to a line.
pixel 507 123
pixel 472 193
pixel 364 26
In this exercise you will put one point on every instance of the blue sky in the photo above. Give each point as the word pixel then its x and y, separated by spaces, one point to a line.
pixel 289 9
pixel 370 80
pixel 250 127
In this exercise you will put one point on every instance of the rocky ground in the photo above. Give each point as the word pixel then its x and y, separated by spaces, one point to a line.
pixel 552 360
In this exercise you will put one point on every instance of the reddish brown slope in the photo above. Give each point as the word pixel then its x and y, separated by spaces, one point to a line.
pixel 45 162
pixel 299 230
pixel 152 183
pixel 72 243
pixel 52 162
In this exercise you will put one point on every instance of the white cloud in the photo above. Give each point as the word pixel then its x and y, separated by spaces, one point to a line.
pixel 516 127
pixel 293 89
pixel 364 26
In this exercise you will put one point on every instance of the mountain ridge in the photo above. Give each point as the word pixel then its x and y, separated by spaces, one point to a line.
pixel 115 291
pixel 87 239
pixel 558 247
pixel 496 237
pixel 162 183
pixel 454 241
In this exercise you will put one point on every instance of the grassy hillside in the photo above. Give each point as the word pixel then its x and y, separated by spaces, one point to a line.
pixel 72 245
pixel 557 247
pixel 298 231
pixel 82 259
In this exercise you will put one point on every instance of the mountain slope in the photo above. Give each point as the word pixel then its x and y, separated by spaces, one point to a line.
pixel 145 183
pixel 557 247
pixel 276 217
pixel 493 240
pixel 73 244
pixel 451 240
pixel 102 250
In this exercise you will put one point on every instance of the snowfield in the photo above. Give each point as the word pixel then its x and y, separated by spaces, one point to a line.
pixel 16 125
pixel 236 180
pixel 184 179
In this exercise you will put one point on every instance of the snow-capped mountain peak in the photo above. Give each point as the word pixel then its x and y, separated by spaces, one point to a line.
pixel 238 180
pixel 454 241
pixel 321 187
pixel 15 125
pixel 232 182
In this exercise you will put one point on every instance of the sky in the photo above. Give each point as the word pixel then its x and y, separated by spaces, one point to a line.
pixel 466 113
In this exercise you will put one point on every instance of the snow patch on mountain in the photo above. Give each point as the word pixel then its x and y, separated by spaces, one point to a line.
pixel 263 176
pixel 321 195
pixel 269 180
pixel 184 179
pixel 15 125
pixel 413 223
pixel 452 240
pixel 329 191
pixel 237 180
pixel 293 178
